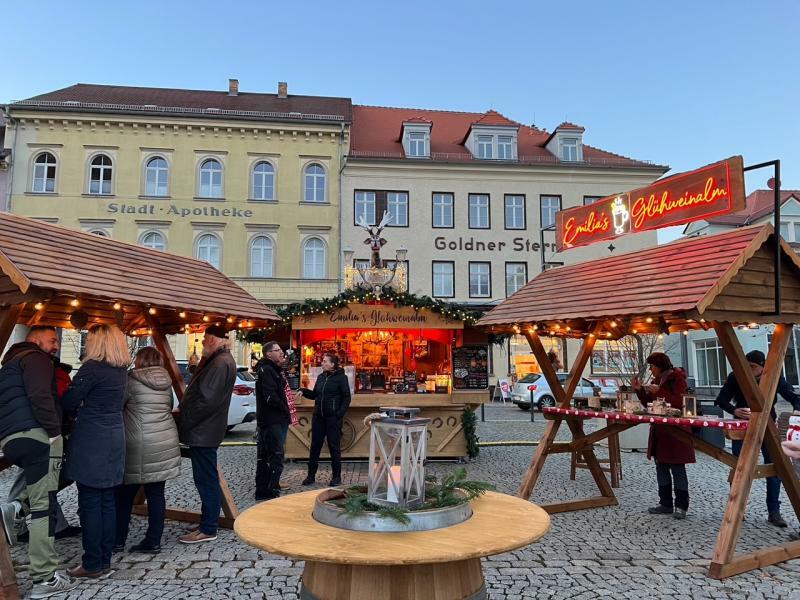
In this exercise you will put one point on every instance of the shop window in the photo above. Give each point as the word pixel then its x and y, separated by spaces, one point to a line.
pixel 261 256
pixel 101 172
pixel 211 179
pixel 209 249
pixel 443 210
pixel 314 183
pixel 479 211
pixel 44 174
pixel 263 181
pixel 314 258
pixel 443 279
pixel 712 369
pixel 480 280
pixel 156 177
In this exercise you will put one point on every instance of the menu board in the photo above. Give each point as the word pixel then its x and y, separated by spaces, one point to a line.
pixel 471 368
pixel 292 369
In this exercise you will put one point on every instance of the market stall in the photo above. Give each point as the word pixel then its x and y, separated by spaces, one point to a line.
pixel 55 276
pixel 716 281
pixel 398 349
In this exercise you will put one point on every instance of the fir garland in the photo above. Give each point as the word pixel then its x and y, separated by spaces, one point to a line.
pixel 469 423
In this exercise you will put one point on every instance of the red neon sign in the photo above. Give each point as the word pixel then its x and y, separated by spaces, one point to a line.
pixel 709 191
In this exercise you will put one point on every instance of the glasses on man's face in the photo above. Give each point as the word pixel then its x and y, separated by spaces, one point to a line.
pixel 278 350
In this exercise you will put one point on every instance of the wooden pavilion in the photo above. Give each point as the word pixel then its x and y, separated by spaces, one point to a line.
pixel 51 275
pixel 717 281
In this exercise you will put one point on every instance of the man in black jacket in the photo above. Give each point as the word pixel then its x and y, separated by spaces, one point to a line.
pixel 203 423
pixel 731 400
pixel 273 418
pixel 30 438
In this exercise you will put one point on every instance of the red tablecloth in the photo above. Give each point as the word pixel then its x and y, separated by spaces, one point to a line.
pixel 613 415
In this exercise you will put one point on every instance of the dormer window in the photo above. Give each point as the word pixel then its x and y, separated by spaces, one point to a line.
pixel 416 138
pixel 485 146
pixel 569 149
pixel 566 142
pixel 505 147
pixel 417 144
pixel 492 143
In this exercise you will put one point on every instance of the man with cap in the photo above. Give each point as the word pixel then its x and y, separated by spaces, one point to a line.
pixel 731 400
pixel 202 426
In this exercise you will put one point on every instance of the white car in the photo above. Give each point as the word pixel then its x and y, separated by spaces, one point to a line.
pixel 534 384
pixel 243 398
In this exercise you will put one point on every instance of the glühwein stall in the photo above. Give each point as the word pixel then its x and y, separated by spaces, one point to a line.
pixel 719 282
pixel 70 279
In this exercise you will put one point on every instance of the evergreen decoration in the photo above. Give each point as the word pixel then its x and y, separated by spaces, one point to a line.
pixel 469 424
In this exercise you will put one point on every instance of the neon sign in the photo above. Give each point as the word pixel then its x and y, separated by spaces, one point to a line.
pixel 713 190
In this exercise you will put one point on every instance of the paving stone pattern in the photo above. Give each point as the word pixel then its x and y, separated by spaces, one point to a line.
pixel 620 552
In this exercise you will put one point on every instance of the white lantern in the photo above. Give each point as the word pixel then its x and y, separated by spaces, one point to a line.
pixel 689 406
pixel 398 446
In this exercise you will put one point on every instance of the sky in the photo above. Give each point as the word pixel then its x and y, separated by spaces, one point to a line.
pixel 679 83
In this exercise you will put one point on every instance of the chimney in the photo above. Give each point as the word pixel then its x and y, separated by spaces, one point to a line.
pixel 282 89
pixel 233 87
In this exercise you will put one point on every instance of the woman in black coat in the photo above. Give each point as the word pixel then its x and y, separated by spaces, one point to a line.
pixel 331 395
pixel 96 448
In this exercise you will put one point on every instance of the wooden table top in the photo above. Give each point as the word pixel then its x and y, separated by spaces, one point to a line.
pixel 284 526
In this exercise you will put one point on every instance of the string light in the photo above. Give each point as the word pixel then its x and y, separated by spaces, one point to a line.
pixel 613 323
pixel 182 314
pixel 633 330
pixel 151 310
pixel 117 306
pixel 74 302
pixel 205 318
pixel 608 334
pixel 649 320
pixel 229 319
pixel 38 306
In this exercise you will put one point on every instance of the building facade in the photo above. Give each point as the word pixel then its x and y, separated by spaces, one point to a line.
pixel 248 182
pixel 472 197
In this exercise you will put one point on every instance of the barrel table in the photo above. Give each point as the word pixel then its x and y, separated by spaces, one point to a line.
pixel 441 564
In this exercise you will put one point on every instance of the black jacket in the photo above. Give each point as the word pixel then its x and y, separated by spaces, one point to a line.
pixel 204 408
pixel 28 396
pixel 272 406
pixel 732 391
pixel 331 394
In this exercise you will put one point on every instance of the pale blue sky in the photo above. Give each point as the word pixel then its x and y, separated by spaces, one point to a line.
pixel 679 83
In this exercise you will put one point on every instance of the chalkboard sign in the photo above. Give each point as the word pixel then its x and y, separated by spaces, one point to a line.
pixel 292 369
pixel 471 368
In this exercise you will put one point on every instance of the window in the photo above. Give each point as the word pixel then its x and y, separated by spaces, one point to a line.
pixel 44 174
pixel 263 181
pixel 314 258
pixel 479 211
pixel 505 147
pixel 614 356
pixel 485 146
pixel 569 149
pixel 211 179
pixel 154 240
pixel 361 263
pixel 99 232
pixel 711 365
pixel 416 144
pixel 371 205
pixel 208 249
pixel 156 176
pixel 480 280
pixel 790 231
pixel 100 172
pixel 516 276
pixel 314 183
pixel 550 205
pixel 515 212
pixel 587 200
pixel 443 210
pixel 397 205
pixel 261 256
pixel 443 279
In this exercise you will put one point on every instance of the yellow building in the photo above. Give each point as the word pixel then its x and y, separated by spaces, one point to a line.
pixel 248 182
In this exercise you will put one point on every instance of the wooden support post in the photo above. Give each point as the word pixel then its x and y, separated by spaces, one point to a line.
pixel 8 320
pixel 169 358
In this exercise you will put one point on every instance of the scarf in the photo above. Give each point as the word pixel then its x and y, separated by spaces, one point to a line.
pixel 289 399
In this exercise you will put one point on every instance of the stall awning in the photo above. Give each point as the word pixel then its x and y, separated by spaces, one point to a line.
pixel 56 272
pixel 676 286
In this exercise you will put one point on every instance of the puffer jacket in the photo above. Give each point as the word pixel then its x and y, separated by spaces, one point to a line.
pixel 331 394
pixel 151 437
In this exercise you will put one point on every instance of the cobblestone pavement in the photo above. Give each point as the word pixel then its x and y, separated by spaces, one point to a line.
pixel 620 551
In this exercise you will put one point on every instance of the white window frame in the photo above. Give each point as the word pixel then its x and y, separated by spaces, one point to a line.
pixel 609 357
pixel 476 202
pixel 397 205
pixel 484 146
pixel 569 149
pixel 505 147
pixel 156 171
pixel 587 200
pixel 263 181
pixel 202 247
pixel 211 189
pixel 480 281
pixel 517 211
pixel 417 144
pixel 443 279
pixel 790 229
pixel 543 223
pixel 517 278
pixel 317 268
pixel 312 192
pixel 266 258
pixel 44 166
pixel 702 349
pixel 444 208
pixel 365 204
pixel 101 171
pixel 143 240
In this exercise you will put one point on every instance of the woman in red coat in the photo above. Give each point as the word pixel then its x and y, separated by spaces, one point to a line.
pixel 670 453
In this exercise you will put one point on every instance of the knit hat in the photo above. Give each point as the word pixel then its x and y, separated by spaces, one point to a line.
pixel 756 357
pixel 217 331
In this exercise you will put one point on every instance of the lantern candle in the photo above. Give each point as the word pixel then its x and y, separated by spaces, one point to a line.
pixel 395 483
pixel 689 406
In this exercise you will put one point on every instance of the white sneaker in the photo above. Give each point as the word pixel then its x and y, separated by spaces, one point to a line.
pixel 59 584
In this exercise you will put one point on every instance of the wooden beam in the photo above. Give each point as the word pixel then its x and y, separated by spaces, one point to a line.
pixel 537 462
pixel 576 427
pixel 8 320
pixel 755 560
pixel 8 577
pixel 592 502
pixel 185 516
pixel 229 508
pixel 170 364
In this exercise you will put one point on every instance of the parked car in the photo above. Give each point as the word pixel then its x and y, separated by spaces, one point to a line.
pixel 243 398
pixel 542 395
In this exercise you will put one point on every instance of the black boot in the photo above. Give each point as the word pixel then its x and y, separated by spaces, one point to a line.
pixel 312 474
pixel 682 499
pixel 664 506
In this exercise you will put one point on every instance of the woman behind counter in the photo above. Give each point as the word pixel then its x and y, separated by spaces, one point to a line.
pixel 670 453
pixel 331 395
pixel 96 448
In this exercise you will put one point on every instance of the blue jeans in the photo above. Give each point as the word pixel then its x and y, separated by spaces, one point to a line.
pixel 206 480
pixel 156 509
pixel 269 461
pixel 98 520
pixel 773 483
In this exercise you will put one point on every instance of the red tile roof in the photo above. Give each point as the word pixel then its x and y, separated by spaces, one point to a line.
pixel 374 136
pixel 203 103
pixel 492 117
pixel 568 125
pixel 673 278
pixel 758 204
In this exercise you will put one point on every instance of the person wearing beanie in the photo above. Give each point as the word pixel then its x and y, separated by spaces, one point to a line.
pixel 202 426
pixel 732 401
